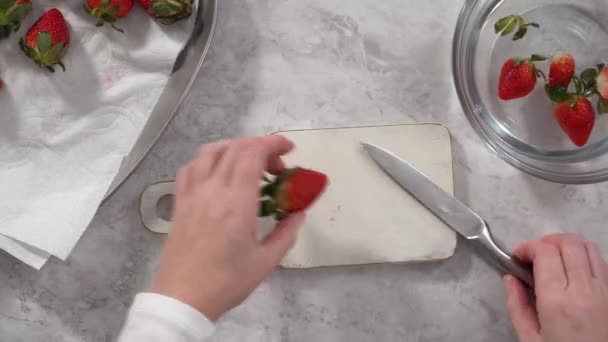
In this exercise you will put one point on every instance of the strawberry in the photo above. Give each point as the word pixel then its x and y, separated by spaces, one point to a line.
pixel 108 10
pixel 576 117
pixel 12 13
pixel 518 77
pixel 602 83
pixel 561 70
pixel 295 190
pixel 167 11
pixel 47 41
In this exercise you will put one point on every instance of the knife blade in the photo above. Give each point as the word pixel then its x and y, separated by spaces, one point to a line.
pixel 451 211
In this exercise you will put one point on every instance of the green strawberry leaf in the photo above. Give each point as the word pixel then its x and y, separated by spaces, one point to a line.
pixel 557 94
pixel 538 58
pixel 267 207
pixel 578 84
pixel 19 12
pixel 520 33
pixel 602 106
pixel 5 31
pixel 164 10
pixel 502 23
pixel 109 18
pixel 589 75
pixel 55 51
pixel 533 25
pixel 510 28
pixel 43 42
pixel 6 4
pixel 268 190
pixel 540 73
pixel 506 25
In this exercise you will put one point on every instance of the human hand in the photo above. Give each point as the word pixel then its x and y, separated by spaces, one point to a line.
pixel 571 280
pixel 212 259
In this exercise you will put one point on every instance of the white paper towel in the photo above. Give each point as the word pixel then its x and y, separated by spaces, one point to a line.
pixel 64 135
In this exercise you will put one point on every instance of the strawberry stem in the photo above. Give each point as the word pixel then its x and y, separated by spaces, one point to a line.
pixel 118 28
pixel 540 73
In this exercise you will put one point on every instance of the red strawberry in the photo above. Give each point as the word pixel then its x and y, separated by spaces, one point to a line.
pixel 11 15
pixel 561 70
pixel 167 11
pixel 108 10
pixel 518 77
pixel 576 117
pixel 47 41
pixel 293 191
pixel 602 83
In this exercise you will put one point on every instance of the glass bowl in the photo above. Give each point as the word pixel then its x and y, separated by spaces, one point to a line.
pixel 523 132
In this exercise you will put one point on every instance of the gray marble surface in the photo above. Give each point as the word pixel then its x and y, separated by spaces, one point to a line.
pixel 284 64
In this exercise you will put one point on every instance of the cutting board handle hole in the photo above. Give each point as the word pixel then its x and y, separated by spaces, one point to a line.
pixel 164 207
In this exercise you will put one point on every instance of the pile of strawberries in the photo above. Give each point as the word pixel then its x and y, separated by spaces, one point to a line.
pixel 570 94
pixel 47 41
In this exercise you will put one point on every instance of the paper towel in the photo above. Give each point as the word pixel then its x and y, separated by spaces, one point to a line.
pixel 64 135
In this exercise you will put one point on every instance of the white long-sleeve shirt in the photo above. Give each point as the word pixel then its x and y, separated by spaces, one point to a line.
pixel 154 317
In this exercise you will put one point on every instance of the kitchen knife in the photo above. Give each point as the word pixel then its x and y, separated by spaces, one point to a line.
pixel 451 211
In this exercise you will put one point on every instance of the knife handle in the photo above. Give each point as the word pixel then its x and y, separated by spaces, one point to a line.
pixel 503 261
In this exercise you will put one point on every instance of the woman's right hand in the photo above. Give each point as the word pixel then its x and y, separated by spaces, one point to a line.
pixel 571 292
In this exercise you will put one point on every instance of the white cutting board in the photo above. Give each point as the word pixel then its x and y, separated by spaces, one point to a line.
pixel 365 217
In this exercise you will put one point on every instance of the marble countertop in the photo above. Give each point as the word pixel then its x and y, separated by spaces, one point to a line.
pixel 282 64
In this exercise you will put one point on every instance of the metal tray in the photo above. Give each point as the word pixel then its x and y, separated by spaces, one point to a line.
pixel 185 70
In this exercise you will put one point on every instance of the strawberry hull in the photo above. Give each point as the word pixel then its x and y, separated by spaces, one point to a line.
pixel 109 10
pixel 11 16
pixel 167 11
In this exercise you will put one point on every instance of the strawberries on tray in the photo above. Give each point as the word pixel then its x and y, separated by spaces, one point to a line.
pixel 47 41
pixel 167 11
pixel 108 10
pixel 518 77
pixel 295 190
pixel 12 13
pixel 561 70
pixel 576 117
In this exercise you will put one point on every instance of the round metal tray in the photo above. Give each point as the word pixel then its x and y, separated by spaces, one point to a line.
pixel 185 70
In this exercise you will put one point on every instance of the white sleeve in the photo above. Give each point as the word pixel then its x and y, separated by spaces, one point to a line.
pixel 154 317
